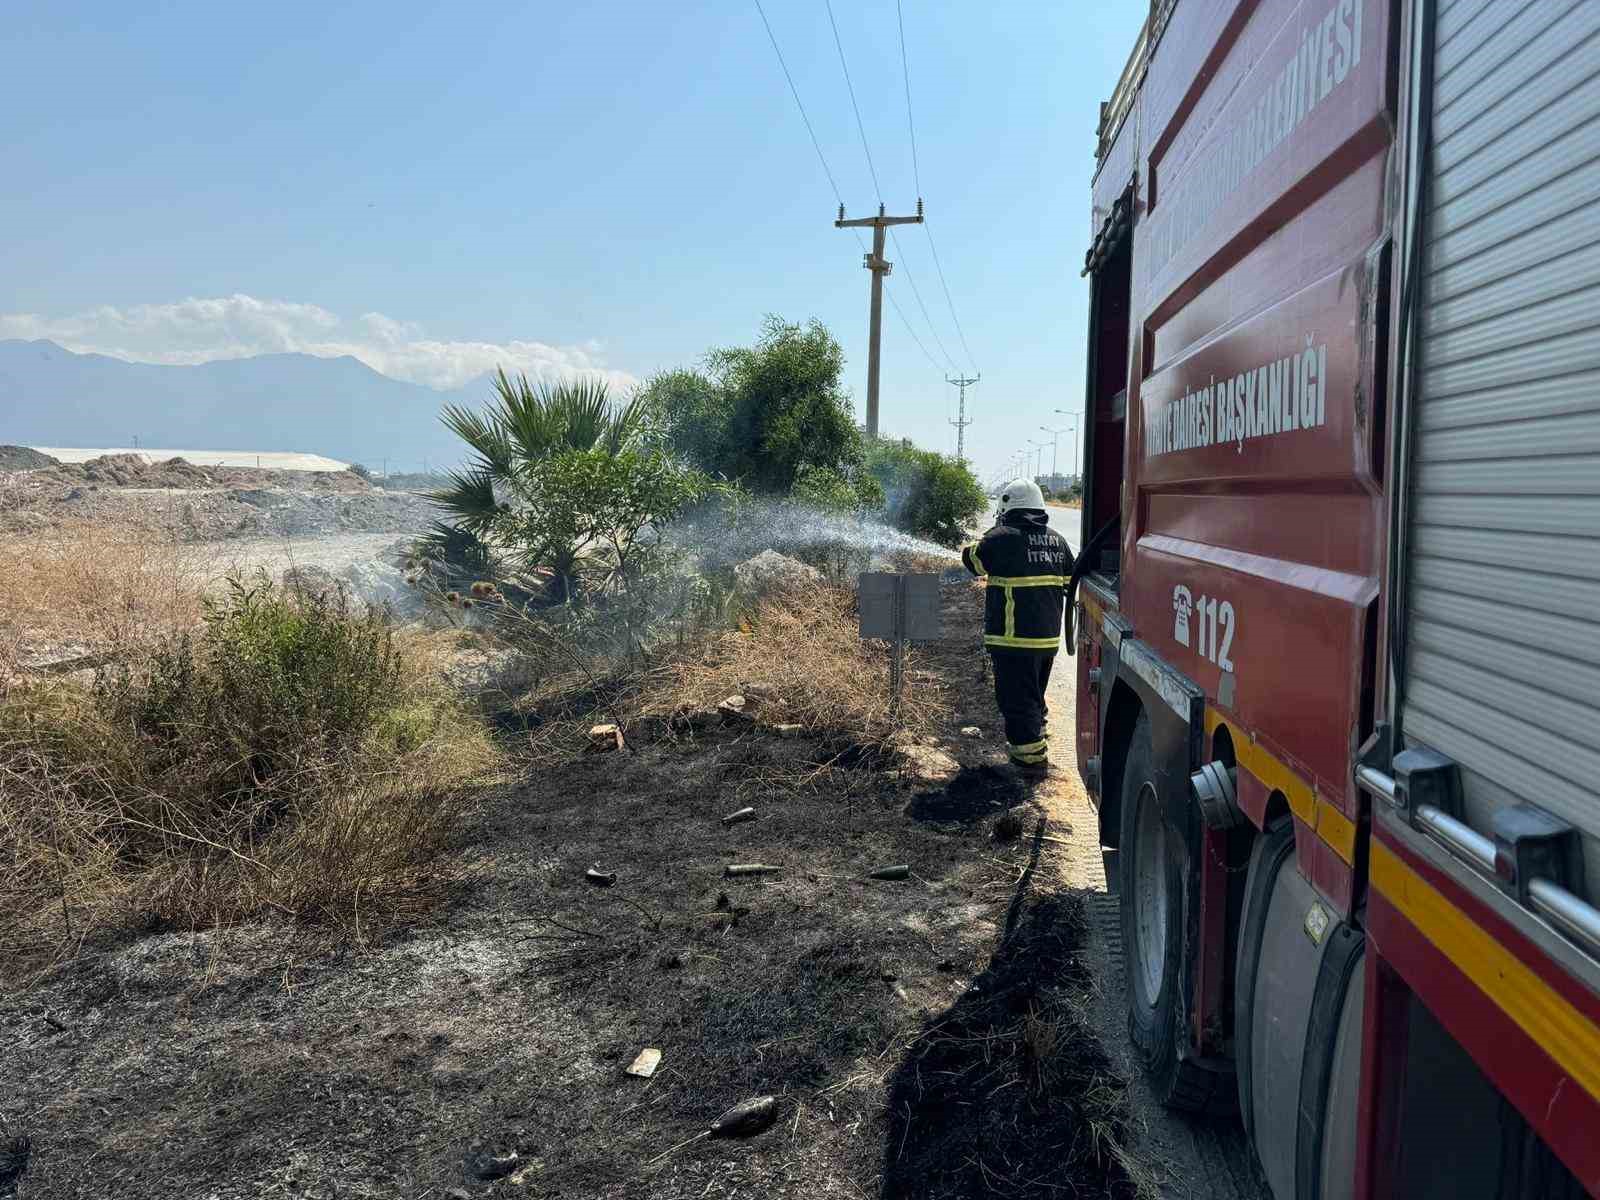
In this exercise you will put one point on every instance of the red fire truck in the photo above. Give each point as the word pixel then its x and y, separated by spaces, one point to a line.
pixel 1338 620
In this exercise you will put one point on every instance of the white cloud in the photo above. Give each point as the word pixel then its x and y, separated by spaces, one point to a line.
pixel 196 331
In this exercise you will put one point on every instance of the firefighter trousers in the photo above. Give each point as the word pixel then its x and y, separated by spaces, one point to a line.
pixel 1020 679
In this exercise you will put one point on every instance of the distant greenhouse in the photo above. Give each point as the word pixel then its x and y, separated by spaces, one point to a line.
pixel 269 459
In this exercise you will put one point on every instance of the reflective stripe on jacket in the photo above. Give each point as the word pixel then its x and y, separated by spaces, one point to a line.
pixel 1027 564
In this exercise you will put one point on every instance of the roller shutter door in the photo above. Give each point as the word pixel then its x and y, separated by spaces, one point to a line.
pixel 1503 653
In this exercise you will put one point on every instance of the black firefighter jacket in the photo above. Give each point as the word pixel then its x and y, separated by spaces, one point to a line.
pixel 1027 564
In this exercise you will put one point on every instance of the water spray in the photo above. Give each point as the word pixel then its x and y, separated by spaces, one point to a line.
pixel 786 527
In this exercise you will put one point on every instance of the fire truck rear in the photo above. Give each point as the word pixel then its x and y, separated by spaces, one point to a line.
pixel 1338 631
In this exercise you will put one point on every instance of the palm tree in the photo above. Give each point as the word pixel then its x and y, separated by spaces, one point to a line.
pixel 526 423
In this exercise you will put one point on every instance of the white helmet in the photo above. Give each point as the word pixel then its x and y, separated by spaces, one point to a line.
pixel 1020 493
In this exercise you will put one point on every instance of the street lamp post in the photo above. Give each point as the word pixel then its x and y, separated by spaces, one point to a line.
pixel 1075 432
pixel 1038 466
pixel 1054 434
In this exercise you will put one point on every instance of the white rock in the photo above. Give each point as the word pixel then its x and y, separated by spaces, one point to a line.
pixel 770 572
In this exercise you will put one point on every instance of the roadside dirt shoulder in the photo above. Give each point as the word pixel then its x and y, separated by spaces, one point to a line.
pixel 1193 1158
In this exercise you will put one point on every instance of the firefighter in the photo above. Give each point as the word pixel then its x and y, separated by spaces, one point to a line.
pixel 1027 565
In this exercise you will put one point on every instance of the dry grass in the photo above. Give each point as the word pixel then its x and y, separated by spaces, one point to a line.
pixel 802 648
pixel 95 587
pixel 797 657
pixel 174 793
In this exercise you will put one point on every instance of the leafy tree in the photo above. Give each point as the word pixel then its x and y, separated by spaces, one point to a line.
pixel 789 409
pixel 928 494
pixel 690 414
pixel 762 414
pixel 597 519
pixel 827 490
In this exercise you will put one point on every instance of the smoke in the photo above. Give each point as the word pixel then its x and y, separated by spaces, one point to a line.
pixel 717 535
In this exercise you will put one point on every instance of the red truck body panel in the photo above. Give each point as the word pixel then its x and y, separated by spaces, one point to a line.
pixel 1258 275
pixel 1257 156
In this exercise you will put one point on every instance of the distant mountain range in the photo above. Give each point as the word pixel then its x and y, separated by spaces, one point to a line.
pixel 339 407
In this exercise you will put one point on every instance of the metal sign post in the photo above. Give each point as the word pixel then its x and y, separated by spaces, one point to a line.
pixel 897 609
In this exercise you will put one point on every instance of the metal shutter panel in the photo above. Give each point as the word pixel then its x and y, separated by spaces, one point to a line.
pixel 1503 656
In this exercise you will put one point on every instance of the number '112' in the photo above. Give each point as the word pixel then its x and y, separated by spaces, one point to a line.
pixel 1211 615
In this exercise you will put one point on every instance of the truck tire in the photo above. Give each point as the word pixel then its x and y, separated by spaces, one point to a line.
pixel 1298 1008
pixel 1155 867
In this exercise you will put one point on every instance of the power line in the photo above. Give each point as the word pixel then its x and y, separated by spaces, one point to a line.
pixel 795 92
pixel 932 328
pixel 916 174
pixel 961 422
pixel 895 304
pixel 878 188
pixel 822 158
pixel 959 332
pixel 905 71
pixel 860 128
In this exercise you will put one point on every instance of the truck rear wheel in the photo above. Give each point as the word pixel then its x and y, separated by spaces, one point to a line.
pixel 1297 1039
pixel 1155 867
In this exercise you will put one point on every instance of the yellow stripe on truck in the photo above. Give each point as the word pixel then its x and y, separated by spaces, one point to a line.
pixel 1092 607
pixel 1331 825
pixel 1541 1012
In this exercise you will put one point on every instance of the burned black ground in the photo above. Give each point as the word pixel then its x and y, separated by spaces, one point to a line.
pixel 975 794
pixel 919 1034
pixel 1007 1092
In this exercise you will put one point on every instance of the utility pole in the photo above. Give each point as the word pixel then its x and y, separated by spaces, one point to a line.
pixel 879 266
pixel 961 422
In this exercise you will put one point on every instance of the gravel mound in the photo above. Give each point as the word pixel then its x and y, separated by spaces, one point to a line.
pixel 134 471
pixel 195 503
pixel 131 470
pixel 20 458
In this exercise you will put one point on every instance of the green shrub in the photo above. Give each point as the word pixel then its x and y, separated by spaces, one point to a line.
pixel 290 755
pixel 274 681
pixel 929 495
pixel 405 728
pixel 828 490
pixel 760 414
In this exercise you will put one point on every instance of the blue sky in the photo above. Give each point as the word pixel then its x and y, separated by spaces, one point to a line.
pixel 434 187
